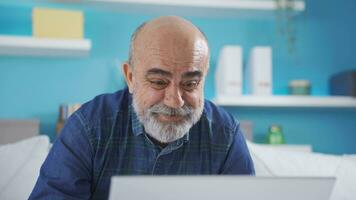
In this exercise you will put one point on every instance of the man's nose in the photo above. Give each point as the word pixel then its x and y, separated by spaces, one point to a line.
pixel 173 97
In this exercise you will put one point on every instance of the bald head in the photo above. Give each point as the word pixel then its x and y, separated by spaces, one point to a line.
pixel 166 31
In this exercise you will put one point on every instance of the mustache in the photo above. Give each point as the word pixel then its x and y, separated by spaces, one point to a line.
pixel 160 108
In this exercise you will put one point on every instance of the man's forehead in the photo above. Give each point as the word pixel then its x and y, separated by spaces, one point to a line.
pixel 187 59
pixel 171 45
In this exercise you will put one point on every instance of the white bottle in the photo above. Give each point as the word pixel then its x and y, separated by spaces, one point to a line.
pixel 259 71
pixel 228 76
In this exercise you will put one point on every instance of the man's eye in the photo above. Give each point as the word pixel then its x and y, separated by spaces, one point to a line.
pixel 159 84
pixel 190 85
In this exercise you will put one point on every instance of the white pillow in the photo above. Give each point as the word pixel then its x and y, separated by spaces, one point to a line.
pixel 260 167
pixel 20 164
pixel 276 162
pixel 345 186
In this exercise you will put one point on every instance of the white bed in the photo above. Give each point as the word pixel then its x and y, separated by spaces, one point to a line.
pixel 21 161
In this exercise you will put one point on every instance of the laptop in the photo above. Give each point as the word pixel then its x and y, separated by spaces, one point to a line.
pixel 220 188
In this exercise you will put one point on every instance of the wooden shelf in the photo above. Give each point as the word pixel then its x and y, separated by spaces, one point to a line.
pixel 30 46
pixel 288 101
pixel 210 8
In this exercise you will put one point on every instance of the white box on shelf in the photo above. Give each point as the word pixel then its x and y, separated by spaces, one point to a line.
pixel 259 71
pixel 228 76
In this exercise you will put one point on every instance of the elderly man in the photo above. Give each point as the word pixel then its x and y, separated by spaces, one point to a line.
pixel 159 125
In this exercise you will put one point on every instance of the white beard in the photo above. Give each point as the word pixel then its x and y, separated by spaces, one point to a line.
pixel 169 131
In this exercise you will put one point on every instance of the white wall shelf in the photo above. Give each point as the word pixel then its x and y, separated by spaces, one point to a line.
pixel 30 46
pixel 288 101
pixel 211 8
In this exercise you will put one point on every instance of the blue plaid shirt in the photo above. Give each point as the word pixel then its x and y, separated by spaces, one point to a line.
pixel 105 138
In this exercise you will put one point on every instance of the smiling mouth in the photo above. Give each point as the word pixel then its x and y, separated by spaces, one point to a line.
pixel 169 118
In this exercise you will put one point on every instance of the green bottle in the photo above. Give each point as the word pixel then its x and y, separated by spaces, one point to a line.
pixel 275 135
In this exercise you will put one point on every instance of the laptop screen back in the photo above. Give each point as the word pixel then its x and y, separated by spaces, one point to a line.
pixel 220 188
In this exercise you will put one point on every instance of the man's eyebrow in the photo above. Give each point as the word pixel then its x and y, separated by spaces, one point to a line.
pixel 193 74
pixel 156 71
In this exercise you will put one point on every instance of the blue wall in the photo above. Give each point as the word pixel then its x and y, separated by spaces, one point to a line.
pixel 325 33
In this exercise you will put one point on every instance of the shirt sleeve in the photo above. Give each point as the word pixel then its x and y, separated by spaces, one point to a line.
pixel 66 172
pixel 238 160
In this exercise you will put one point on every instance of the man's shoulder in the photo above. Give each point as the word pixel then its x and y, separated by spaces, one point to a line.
pixel 105 106
pixel 218 116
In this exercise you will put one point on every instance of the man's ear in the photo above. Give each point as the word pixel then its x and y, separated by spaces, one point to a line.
pixel 127 70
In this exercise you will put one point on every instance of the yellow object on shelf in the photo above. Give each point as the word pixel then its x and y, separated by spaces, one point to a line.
pixel 55 23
